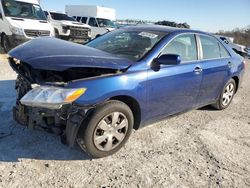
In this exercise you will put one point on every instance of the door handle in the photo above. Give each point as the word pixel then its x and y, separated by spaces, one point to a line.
pixel 198 70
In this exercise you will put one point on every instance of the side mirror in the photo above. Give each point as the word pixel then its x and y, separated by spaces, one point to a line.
pixel 1 16
pixel 169 59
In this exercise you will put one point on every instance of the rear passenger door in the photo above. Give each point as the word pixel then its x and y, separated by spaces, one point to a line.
pixel 216 65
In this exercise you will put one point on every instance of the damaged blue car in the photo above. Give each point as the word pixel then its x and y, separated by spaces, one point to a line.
pixel 96 94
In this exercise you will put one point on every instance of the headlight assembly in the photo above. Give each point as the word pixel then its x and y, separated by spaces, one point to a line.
pixel 51 97
pixel 89 33
pixel 65 27
pixel 17 30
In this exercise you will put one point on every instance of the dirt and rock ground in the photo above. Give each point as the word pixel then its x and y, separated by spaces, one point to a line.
pixel 201 148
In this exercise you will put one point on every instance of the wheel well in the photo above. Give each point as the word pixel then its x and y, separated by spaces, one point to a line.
pixel 134 106
pixel 98 35
pixel 236 79
pixel 56 30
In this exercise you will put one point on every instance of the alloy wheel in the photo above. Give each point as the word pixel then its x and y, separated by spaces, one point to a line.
pixel 228 94
pixel 111 131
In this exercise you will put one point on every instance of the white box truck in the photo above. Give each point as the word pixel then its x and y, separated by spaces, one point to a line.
pixel 20 21
pixel 99 18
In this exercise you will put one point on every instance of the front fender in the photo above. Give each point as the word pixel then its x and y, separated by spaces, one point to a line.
pixel 99 90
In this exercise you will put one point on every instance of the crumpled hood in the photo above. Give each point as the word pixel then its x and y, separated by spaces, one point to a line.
pixel 54 54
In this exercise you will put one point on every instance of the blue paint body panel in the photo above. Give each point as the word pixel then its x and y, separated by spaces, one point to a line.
pixel 159 93
pixel 54 54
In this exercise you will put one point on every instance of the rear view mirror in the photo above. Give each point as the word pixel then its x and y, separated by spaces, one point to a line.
pixel 169 59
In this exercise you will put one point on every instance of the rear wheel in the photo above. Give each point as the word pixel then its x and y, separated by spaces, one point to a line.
pixel 226 96
pixel 107 130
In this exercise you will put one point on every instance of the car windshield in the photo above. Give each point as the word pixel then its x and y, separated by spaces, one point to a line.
pixel 60 16
pixel 105 23
pixel 22 10
pixel 131 44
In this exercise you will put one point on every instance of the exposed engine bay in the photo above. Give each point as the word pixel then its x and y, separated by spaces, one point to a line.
pixel 39 76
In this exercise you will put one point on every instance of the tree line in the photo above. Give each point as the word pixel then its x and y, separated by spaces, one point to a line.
pixel 241 36
pixel 173 24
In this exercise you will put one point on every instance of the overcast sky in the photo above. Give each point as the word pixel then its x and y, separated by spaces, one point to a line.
pixel 207 15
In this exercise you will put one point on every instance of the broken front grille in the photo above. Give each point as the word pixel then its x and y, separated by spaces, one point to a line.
pixel 36 33
pixel 79 32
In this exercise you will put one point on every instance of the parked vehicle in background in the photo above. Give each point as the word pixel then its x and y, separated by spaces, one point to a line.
pixel 68 28
pixel 95 94
pixel 239 49
pixel 99 18
pixel 21 21
pixel 248 53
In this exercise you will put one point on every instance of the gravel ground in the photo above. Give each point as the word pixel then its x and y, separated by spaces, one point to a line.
pixel 201 148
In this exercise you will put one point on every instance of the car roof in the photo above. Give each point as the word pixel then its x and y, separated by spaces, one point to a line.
pixel 59 12
pixel 164 29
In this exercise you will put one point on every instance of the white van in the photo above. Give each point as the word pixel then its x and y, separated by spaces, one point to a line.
pixel 99 26
pixel 20 21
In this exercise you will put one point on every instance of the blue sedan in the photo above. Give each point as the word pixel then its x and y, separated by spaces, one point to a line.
pixel 96 94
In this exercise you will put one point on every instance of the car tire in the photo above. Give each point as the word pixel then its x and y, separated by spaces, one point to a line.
pixel 57 33
pixel 226 95
pixel 107 129
pixel 6 44
pixel 97 36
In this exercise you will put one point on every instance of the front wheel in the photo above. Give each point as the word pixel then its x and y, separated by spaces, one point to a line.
pixel 226 96
pixel 107 130
pixel 6 44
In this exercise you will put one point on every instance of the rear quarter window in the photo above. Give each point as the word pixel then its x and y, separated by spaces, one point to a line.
pixel 78 18
pixel 210 47
pixel 223 52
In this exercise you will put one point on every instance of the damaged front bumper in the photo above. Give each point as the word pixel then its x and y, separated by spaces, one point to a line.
pixel 65 121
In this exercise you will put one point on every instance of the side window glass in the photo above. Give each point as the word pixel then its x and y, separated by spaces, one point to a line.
pixel 223 52
pixel 46 14
pixel 78 18
pixel 92 22
pixel 184 46
pixel 84 19
pixel 210 47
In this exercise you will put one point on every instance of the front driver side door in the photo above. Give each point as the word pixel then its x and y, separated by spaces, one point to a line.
pixel 174 88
